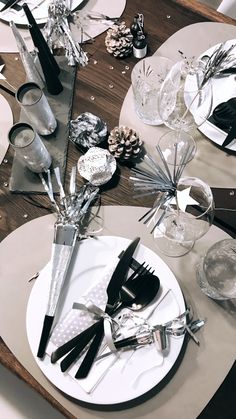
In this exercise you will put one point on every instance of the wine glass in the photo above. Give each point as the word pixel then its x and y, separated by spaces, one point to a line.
pixel 185 218
pixel 177 148
pixel 185 98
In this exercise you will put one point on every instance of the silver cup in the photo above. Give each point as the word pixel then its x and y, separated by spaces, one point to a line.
pixel 29 147
pixel 36 107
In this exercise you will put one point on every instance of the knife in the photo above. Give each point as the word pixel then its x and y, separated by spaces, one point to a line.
pixel 231 135
pixel 9 4
pixel 113 289
pixel 117 279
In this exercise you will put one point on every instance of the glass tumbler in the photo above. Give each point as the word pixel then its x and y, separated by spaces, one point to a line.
pixel 29 147
pixel 36 107
pixel 216 272
pixel 184 100
pixel 147 77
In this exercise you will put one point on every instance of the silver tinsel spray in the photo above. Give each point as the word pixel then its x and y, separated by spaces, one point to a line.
pixel 58 34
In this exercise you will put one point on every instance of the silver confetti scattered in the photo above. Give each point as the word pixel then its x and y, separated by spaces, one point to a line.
pixel 111 67
pixel 92 97
pixel 111 86
pixel 231 193
pixel 5 161
pixel 168 16
pixel 123 72
pixel 126 67
pixel 5 184
pixel 25 215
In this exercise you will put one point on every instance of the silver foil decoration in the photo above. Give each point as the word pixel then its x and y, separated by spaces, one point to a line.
pixel 97 166
pixel 31 70
pixel 58 34
pixel 88 130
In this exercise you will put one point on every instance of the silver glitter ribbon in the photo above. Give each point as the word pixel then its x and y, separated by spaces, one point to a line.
pixel 58 34
pixel 108 321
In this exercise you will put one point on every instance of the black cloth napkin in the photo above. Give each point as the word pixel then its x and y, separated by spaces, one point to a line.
pixel 223 403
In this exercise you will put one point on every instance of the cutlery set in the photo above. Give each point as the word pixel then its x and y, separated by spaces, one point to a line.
pixel 16 8
pixel 121 293
pixel 10 4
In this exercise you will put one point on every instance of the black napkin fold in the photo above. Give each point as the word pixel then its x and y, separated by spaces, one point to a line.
pixel 223 403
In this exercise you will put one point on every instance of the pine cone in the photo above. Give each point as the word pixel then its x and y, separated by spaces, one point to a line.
pixel 118 40
pixel 124 143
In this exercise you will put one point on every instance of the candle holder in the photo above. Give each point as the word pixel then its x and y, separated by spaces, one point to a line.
pixel 35 105
pixel 29 147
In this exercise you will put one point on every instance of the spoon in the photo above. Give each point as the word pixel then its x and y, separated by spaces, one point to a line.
pixel 136 296
pixel 139 293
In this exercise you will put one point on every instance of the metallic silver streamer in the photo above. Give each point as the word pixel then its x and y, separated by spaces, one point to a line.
pixel 157 179
pixel 58 34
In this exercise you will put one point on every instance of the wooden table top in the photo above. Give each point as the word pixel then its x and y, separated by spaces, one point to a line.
pixel 161 21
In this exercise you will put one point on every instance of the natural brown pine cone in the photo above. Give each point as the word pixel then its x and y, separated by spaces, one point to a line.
pixel 124 143
pixel 118 40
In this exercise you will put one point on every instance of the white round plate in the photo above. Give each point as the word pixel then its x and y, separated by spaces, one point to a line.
pixel 6 121
pixel 119 386
pixel 224 88
pixel 38 8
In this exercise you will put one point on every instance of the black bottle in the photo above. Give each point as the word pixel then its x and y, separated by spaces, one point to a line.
pixel 135 26
pixel 139 45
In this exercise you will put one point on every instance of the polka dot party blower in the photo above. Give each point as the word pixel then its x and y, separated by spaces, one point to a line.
pixel 71 211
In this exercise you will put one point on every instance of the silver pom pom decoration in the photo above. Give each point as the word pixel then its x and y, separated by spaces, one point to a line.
pixel 119 40
pixel 124 143
pixel 88 130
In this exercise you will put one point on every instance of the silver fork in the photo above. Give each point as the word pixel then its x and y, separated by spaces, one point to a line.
pixel 101 16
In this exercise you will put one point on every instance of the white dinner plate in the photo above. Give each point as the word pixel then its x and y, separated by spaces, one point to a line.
pixel 224 88
pixel 142 373
pixel 39 9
